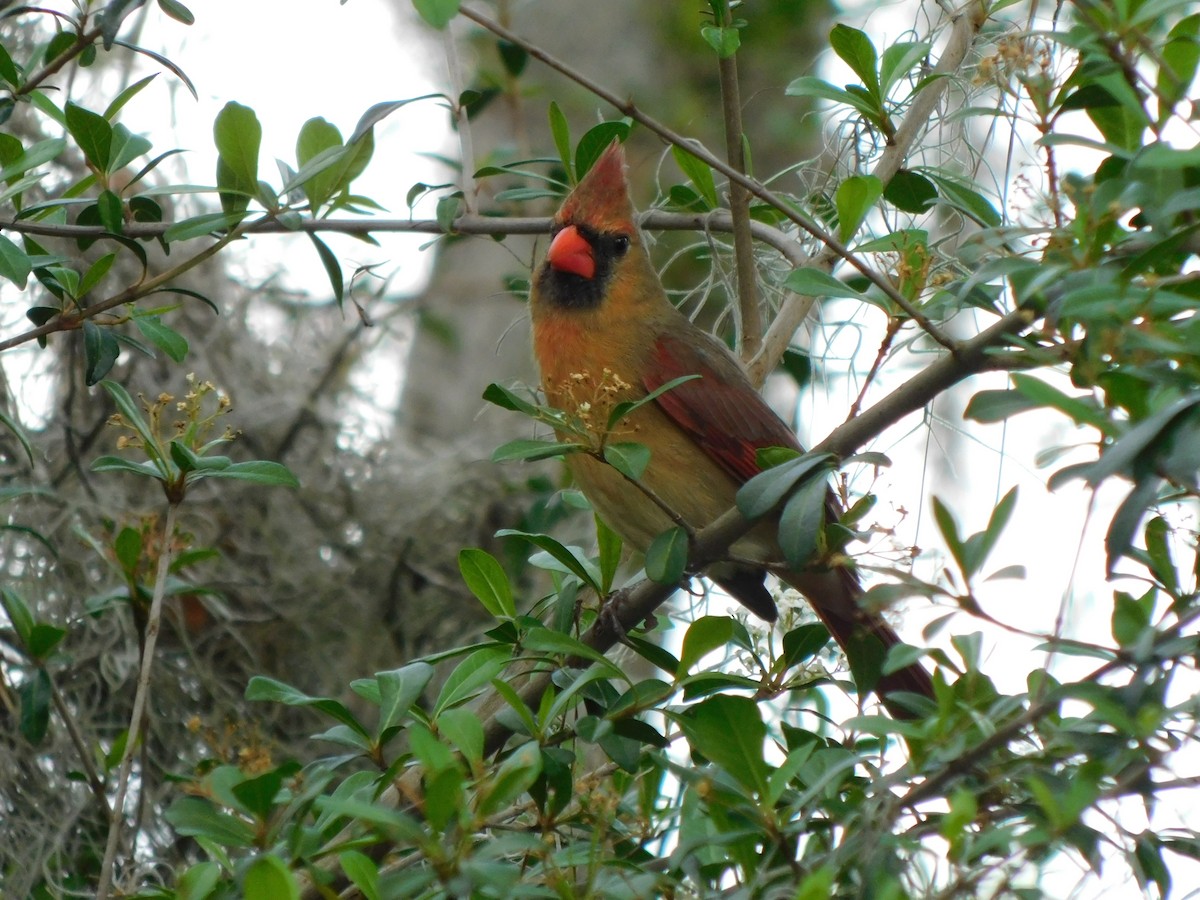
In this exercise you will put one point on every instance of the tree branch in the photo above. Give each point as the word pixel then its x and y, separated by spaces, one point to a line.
pixel 140 697
pixel 470 224
pixel 750 326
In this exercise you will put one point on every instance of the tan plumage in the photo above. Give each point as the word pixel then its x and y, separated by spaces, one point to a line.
pixel 604 331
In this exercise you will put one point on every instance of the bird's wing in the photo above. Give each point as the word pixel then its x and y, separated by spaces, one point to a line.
pixel 720 410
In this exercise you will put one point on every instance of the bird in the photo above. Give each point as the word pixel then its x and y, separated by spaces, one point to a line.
pixel 605 332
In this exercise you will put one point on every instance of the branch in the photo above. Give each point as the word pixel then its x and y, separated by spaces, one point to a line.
pixel 67 321
pixel 755 187
pixel 153 621
pixel 750 327
pixel 470 224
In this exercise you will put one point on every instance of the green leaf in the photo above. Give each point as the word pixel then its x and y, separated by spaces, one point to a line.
pixel 100 351
pixel 177 11
pixel 699 173
pixel 724 39
pixel 257 795
pixel 35 695
pixel 529 450
pixel 96 271
pixel 200 226
pixel 628 457
pixel 1180 57
pixel 979 546
pixel 949 529
pixel 857 51
pixel 898 61
pixel 8 69
pixel 470 676
pixel 117 464
pixel 802 522
pixel 578 566
pixel 595 141
pixel 817 283
pixel 810 86
pixel 399 689
pixel 166 339
pixel 269 878
pixel 804 642
pixel 362 871
pixel 319 141
pixel 561 132
pixel 462 727
pixel 108 205
pixel 488 581
pixel 18 613
pixel 730 732
pixel 666 557
pixel 513 58
pixel 43 639
pixel 193 817
pixel 125 148
pixel 855 198
pixel 270 690
pixel 333 268
pixel 910 192
pixel 965 199
pixel 198 882
pixel 998 405
pixel 259 471
pixel 36 155
pixel 1131 616
pixel 515 776
pixel 556 643
pixel 623 409
pixel 703 636
pixel 1158 550
pixel 128 548
pixel 1083 410
pixel 238 136
pixel 15 264
pixel 506 399
pixel 610 546
pixel 762 493
pixel 437 13
pixel 92 134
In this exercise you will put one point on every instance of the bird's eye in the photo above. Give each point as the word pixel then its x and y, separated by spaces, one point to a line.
pixel 620 244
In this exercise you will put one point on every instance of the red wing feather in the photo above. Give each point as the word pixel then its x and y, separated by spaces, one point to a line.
pixel 720 410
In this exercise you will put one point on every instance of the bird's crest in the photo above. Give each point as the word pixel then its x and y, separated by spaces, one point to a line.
pixel 601 199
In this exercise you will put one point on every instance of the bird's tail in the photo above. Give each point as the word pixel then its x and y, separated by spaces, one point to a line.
pixel 864 636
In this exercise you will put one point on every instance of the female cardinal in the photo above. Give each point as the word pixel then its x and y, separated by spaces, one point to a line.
pixel 605 332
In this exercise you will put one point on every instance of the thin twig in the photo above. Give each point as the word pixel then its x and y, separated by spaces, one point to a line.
pixel 85 756
pixel 484 225
pixel 750 327
pixel 65 322
pixel 55 65
pixel 140 697
pixel 462 123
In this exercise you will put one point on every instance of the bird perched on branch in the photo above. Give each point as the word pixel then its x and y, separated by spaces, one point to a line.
pixel 604 332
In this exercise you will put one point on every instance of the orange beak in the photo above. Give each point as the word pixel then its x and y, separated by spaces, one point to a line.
pixel 570 252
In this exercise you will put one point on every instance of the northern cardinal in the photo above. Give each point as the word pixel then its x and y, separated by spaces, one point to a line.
pixel 604 332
